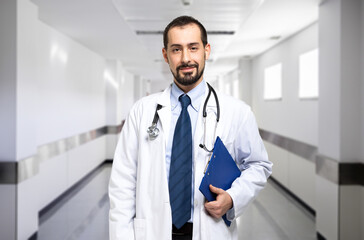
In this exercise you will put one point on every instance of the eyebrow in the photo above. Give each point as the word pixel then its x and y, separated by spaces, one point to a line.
pixel 190 44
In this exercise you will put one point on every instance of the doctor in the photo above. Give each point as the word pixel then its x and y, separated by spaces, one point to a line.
pixel 144 202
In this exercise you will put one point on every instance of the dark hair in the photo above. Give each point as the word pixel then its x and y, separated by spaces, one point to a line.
pixel 183 21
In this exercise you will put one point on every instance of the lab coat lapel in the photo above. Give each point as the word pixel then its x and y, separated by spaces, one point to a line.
pixel 211 110
pixel 210 122
pixel 211 117
pixel 165 112
pixel 199 126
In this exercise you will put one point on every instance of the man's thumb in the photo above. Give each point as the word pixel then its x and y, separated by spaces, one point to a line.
pixel 215 189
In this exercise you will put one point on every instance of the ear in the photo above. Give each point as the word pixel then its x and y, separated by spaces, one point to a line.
pixel 165 56
pixel 207 51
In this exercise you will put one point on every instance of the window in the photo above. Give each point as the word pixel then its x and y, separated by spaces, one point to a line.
pixel 273 82
pixel 308 74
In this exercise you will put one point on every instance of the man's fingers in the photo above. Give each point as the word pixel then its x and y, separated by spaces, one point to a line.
pixel 221 205
pixel 216 190
pixel 214 209
pixel 212 205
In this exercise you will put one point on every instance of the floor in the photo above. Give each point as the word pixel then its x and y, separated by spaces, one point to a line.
pixel 83 214
pixel 274 215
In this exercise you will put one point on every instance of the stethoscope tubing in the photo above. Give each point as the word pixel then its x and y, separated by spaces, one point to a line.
pixel 211 89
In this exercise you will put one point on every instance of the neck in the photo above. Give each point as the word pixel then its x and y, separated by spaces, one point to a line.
pixel 188 88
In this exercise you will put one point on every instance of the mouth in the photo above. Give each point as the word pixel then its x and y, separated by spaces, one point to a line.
pixel 187 69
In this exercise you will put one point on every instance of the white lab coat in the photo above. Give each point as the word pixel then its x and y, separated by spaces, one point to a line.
pixel 138 189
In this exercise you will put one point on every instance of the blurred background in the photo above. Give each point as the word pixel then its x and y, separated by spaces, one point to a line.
pixel 71 70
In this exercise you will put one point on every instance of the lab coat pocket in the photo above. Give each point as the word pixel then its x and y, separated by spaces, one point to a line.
pixel 139 229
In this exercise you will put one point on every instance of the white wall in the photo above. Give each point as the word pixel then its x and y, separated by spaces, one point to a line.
pixel 350 99
pixel 226 83
pixel 27 80
pixel 245 80
pixel 71 93
pixel 350 221
pixel 221 83
pixel 362 210
pixel 362 91
pixel 157 86
pixel 330 77
pixel 138 87
pixel 141 87
pixel 361 223
pixel 7 80
pixel 112 89
pixel 62 90
pixel 290 117
pixel 294 172
pixel 126 92
pixel 362 119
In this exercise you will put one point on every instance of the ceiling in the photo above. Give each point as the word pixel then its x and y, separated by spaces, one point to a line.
pixel 130 30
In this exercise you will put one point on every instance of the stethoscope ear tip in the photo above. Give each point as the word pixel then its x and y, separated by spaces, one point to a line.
pixel 201 145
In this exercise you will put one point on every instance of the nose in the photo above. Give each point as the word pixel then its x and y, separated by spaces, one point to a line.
pixel 185 57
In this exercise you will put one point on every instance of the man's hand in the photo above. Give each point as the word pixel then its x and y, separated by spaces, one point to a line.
pixel 221 205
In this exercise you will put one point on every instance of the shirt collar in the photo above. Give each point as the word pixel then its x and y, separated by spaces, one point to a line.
pixel 195 95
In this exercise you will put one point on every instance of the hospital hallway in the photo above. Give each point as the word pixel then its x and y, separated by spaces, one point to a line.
pixel 82 214
pixel 78 76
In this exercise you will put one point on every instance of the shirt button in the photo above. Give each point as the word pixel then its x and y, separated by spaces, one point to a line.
pixel 196 203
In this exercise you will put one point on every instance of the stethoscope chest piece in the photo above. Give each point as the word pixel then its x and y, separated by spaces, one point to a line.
pixel 153 131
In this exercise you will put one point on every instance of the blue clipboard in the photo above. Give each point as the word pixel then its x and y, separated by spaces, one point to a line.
pixel 221 172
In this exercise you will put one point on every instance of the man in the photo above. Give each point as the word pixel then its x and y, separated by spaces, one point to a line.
pixel 144 202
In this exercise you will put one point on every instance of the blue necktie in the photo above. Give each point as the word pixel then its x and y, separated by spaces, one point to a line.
pixel 180 173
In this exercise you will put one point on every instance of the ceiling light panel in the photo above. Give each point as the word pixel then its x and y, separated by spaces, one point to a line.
pixel 220 18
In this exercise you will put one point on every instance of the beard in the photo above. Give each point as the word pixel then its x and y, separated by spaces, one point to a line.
pixel 188 78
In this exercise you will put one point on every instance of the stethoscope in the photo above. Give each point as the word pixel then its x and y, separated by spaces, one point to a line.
pixel 153 131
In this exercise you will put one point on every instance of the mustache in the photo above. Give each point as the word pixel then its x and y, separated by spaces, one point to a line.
pixel 187 66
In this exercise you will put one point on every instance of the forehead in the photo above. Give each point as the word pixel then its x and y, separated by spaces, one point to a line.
pixel 184 35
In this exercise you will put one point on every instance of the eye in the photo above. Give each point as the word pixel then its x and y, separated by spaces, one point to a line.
pixel 194 48
pixel 176 50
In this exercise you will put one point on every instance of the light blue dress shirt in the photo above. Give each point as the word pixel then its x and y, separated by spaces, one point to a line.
pixel 196 95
